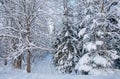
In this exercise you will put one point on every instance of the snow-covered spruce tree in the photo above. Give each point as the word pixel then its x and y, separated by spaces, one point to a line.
pixel 113 29
pixel 83 20
pixel 96 54
pixel 66 53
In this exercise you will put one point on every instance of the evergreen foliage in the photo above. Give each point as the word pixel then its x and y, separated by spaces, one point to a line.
pixel 96 50
pixel 66 54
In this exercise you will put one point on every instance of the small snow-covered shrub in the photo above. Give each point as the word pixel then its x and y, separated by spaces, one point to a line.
pixel 95 61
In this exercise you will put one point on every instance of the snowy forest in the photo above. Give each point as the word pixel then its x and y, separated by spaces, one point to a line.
pixel 59 39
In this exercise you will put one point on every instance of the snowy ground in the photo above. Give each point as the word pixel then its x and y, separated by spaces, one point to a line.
pixel 45 70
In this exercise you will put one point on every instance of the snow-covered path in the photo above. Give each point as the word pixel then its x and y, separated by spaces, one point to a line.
pixel 45 70
pixel 45 66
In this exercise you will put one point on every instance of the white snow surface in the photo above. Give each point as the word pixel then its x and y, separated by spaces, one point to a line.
pixel 99 43
pixel 90 46
pixel 84 60
pixel 82 64
pixel 1 25
pixel 45 70
pixel 100 33
pixel 113 54
pixel 67 33
pixel 84 67
pixel 101 61
pixel 82 32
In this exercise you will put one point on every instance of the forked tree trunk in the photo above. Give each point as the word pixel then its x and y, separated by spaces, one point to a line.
pixel 28 69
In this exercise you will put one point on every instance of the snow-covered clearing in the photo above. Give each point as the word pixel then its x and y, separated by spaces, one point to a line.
pixel 45 70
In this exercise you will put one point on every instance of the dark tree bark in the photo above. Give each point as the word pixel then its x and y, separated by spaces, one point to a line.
pixel 18 62
pixel 29 62
pixel 5 62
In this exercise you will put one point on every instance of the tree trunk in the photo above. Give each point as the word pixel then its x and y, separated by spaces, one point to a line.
pixel 18 62
pixel 28 69
pixel 5 62
pixel 104 27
